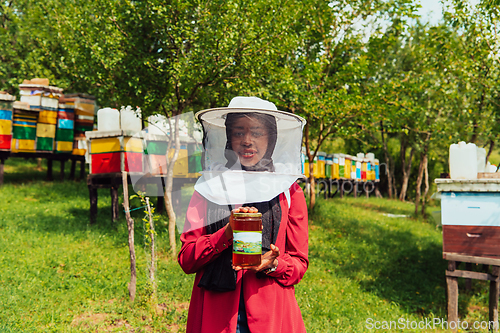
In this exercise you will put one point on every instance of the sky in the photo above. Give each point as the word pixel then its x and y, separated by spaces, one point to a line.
pixel 430 11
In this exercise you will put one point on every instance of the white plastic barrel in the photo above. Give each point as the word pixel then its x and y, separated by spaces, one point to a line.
pixel 360 156
pixel 490 168
pixel 370 156
pixel 463 161
pixel 108 119
pixel 130 120
pixel 157 125
pixel 481 159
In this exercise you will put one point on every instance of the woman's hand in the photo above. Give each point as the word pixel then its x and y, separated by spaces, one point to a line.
pixel 268 260
pixel 229 228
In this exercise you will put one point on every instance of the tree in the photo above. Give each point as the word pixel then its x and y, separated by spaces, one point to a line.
pixel 29 46
pixel 322 79
pixel 168 57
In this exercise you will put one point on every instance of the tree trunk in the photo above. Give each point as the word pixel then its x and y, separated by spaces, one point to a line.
pixel 387 162
pixel 152 265
pixel 131 248
pixel 420 176
pixel 169 185
pixel 426 191
pixel 490 150
pixel 406 174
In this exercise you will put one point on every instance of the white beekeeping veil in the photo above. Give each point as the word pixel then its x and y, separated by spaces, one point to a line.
pixel 251 151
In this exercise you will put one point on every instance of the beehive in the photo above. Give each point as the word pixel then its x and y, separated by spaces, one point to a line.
pixel 6 116
pixel 112 152
pixel 24 128
pixel 470 215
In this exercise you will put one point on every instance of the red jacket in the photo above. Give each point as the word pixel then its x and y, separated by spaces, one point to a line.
pixel 269 302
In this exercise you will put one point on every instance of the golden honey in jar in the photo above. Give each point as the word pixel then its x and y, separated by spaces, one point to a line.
pixel 247 239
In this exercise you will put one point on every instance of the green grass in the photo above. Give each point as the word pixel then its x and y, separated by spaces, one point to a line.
pixel 61 274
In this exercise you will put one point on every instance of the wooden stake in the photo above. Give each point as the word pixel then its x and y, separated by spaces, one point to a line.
pixel 152 267
pixel 130 225
pixel 494 294
pixel 452 294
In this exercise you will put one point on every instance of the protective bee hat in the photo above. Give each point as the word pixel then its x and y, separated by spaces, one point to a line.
pixel 251 151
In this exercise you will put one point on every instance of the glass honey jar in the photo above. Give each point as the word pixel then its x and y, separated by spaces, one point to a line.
pixel 247 239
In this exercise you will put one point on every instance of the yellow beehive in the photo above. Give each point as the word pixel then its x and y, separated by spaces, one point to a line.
pixel 19 145
pixel 347 166
pixel 64 146
pixel 45 130
pixel 335 167
pixel 105 145
pixel 5 127
pixel 132 144
pixel 181 166
pixel 77 151
pixel 47 117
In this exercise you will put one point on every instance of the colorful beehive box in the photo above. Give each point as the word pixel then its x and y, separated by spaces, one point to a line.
pixel 24 128
pixel 23 146
pixel 470 215
pixel 187 165
pixel 45 135
pixel 328 166
pixel 194 151
pixel 50 98
pixel 81 108
pixel 354 160
pixel 347 166
pixel 111 152
pixel 65 131
pixel 47 119
pixel 32 94
pixel 155 158
pixel 335 166
pixel 321 164
pixel 6 116
pixel 181 166
pixel 341 165
pixel 79 146
pixel 306 166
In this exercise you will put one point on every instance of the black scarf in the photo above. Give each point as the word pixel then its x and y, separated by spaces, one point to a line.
pixel 219 274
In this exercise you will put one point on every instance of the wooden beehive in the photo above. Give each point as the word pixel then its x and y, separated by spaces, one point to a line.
pixel 470 215
pixel 115 151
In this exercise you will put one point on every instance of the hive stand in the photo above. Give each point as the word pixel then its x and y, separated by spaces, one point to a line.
pixel 452 275
pixel 470 217
pixel 113 181
pixel 50 158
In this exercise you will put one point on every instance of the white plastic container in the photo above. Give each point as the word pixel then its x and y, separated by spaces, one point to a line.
pixel 157 125
pixel 108 119
pixel 360 156
pixel 130 120
pixel 481 159
pixel 463 161
pixel 490 168
pixel 370 156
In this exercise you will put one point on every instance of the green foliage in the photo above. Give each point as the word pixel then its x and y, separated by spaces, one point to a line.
pixel 350 68
pixel 29 47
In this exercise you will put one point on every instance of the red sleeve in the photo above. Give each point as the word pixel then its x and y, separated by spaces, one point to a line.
pixel 198 248
pixel 293 263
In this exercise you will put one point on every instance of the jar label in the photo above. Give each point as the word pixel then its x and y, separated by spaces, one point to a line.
pixel 247 242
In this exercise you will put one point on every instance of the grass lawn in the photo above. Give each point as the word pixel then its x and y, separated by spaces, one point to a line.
pixel 61 274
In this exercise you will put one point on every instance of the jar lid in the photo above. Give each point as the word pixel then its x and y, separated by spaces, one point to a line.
pixel 247 214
